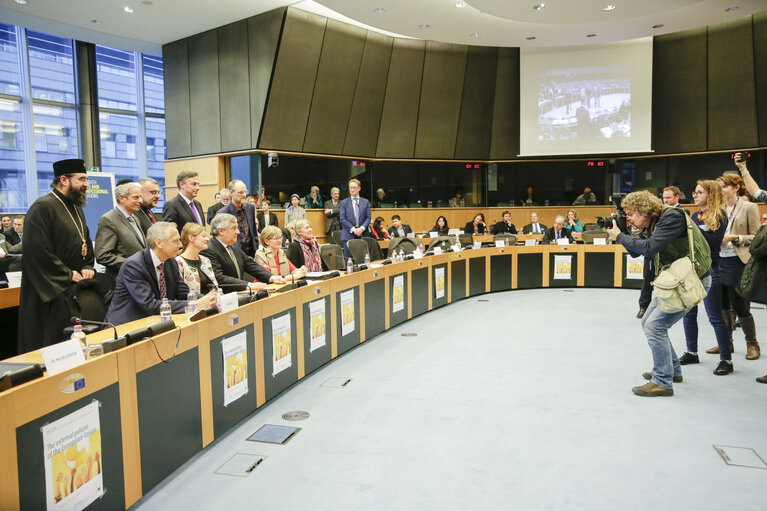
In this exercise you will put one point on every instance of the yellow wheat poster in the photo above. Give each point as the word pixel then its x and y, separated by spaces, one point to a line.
pixel 73 461
pixel 347 312
pixel 439 282
pixel 235 354
pixel 398 293
pixel 317 315
pixel 563 265
pixel 634 268
pixel 281 344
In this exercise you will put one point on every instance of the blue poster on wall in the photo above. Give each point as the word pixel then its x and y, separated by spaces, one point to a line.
pixel 101 199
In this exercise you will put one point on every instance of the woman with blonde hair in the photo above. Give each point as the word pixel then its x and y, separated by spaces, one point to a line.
pixel 195 269
pixel 304 250
pixel 271 256
pixel 572 222
pixel 712 221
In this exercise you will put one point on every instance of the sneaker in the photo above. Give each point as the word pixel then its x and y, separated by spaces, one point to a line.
pixel 724 367
pixel 648 376
pixel 688 358
pixel 652 390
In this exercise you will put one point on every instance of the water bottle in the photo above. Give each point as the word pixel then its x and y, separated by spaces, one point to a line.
pixel 79 335
pixel 165 310
pixel 219 297
pixel 367 260
pixel 349 266
pixel 547 202
pixel 191 303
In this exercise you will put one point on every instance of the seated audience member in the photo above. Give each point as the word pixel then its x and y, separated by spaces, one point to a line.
pixel 398 229
pixel 265 217
pixel 314 199
pixel 529 199
pixel 223 198
pixel 5 221
pixel 294 211
pixel 246 216
pixel 585 198
pixel 559 231
pixel 252 199
pixel 333 211
pixel 379 199
pixel 455 202
pixel 119 234
pixel 195 269
pixel 16 232
pixel 534 227
pixel 671 196
pixel 288 233
pixel 304 250
pixel 9 258
pixel 378 229
pixel 476 226
pixel 150 275
pixel 751 185
pixel 271 256
pixel 505 225
pixel 440 226
pixel 572 221
pixel 230 263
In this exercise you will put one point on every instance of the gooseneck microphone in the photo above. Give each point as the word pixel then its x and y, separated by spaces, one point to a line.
pixel 76 321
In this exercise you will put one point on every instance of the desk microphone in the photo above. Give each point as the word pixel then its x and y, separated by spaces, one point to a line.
pixel 76 321
pixel 386 261
pixel 150 331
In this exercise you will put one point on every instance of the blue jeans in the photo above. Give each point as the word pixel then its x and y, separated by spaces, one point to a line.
pixel 656 323
pixel 713 305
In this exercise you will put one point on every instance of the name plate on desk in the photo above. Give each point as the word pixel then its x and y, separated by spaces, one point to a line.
pixel 229 302
pixel 433 234
pixel 14 278
pixel 600 241
pixel 477 244
pixel 563 241
pixel 530 242
pixel 437 250
pixel 410 235
pixel 62 356
pixel 500 243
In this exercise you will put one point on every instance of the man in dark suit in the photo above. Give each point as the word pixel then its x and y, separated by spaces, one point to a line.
pixel 150 275
pixel 245 213
pixel 504 226
pixel 557 232
pixel 224 197
pixel 534 227
pixel 230 264
pixel 333 212
pixel 265 217
pixel 183 208
pixel 398 229
pixel 16 232
pixel 10 259
pixel 119 235
pixel 354 215
pixel 150 196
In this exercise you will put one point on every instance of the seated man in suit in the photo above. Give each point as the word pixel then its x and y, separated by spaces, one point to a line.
pixel 333 212
pixel 559 231
pixel 224 197
pixel 184 208
pixel 119 235
pixel 9 258
pixel 150 275
pixel 585 198
pixel 229 261
pixel 398 229
pixel 504 226
pixel 265 218
pixel 354 214
pixel 245 213
pixel 534 227
pixel 16 232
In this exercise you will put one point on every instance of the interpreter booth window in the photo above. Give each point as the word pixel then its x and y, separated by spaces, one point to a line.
pixel 428 184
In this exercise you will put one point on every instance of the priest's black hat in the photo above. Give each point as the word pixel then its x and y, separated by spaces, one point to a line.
pixel 63 167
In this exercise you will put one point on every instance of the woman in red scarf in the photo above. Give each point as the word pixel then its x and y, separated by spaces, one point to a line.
pixel 304 250
pixel 378 229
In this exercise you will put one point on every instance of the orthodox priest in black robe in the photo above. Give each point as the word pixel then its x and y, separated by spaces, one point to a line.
pixel 58 253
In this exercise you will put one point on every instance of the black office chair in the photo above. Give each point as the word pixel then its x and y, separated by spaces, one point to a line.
pixel 408 245
pixel 588 236
pixel 508 239
pixel 335 236
pixel 90 299
pixel 443 242
pixel 373 249
pixel 466 240
pixel 591 227
pixel 358 248
pixel 332 256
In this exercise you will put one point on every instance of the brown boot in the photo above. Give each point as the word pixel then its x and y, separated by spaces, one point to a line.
pixel 749 329
pixel 729 319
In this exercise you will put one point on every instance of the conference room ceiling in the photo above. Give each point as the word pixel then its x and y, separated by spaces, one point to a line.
pixel 478 22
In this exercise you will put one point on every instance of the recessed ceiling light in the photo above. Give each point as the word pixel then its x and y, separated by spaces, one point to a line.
pixel 22 2
pixel 128 9
pixel 732 9
pixel 147 2
pixel 379 10
pixel 539 7
pixel 461 5
pixel 591 35
pixel 607 8
pixel 96 22
pixel 423 26
pixel 659 25
pixel 474 35
pixel 530 38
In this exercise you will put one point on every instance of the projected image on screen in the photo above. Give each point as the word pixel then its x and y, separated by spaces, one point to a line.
pixel 586 103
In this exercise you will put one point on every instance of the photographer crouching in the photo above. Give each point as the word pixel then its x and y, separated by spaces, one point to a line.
pixel 669 240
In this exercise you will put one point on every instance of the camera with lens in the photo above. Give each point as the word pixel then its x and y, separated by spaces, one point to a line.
pixel 606 222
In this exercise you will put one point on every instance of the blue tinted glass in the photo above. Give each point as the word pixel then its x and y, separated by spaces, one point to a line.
pixel 51 67
pixel 116 74
pixel 155 151
pixel 55 139
pixel 118 145
pixel 154 94
pixel 9 60
pixel 13 186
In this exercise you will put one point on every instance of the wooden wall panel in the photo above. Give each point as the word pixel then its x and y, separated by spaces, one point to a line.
pixel 444 68
pixel 290 95
pixel 760 74
pixel 334 89
pixel 204 94
pixel 365 116
pixel 178 135
pixel 399 119
pixel 679 119
pixel 475 124
pixel 263 39
pixel 731 89
pixel 504 139
pixel 234 86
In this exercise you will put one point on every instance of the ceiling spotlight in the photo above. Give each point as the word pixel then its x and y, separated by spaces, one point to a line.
pixel 128 9
pixel 147 2
pixel 539 7
pixel 423 26
pixel 591 35
pixel 732 9
pixel 608 8
pixel 474 35
pixel 379 10
pixel 96 22
pixel 22 2
pixel 530 38
pixel 659 25
pixel 461 5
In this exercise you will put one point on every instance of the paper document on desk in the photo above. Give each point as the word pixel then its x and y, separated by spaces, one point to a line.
pixel 235 356
pixel 281 344
pixel 317 315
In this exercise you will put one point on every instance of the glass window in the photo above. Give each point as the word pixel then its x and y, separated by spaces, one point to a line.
pixel 154 93
pixel 55 139
pixel 9 60
pixel 118 145
pixel 13 186
pixel 51 67
pixel 155 149
pixel 116 75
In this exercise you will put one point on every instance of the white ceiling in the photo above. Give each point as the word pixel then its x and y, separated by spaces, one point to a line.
pixel 497 22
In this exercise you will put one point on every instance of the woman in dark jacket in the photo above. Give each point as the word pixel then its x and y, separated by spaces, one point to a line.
pixel 378 229
pixel 304 250
pixel 440 226
pixel 476 226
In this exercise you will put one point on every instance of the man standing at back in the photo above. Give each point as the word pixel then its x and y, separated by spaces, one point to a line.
pixel 119 235
pixel 150 196
pixel 671 196
pixel 355 215
pixel 183 208
pixel 245 213
pixel 333 212
pixel 58 253
pixel 224 197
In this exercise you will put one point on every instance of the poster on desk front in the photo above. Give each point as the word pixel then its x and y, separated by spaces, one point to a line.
pixel 281 344
pixel 398 293
pixel 317 332
pixel 439 282
pixel 634 268
pixel 235 351
pixel 563 266
pixel 347 312
pixel 73 462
